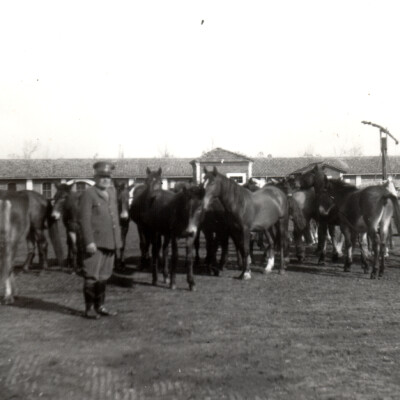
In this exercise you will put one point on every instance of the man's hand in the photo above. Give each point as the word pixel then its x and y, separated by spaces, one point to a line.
pixel 91 248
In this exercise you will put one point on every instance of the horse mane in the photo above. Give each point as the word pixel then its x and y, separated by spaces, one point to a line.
pixel 341 186
pixel 236 192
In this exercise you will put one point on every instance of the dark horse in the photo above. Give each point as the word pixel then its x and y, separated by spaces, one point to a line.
pixel 368 210
pixel 123 192
pixel 162 213
pixel 143 196
pixel 66 206
pixel 250 212
pixel 306 193
pixel 24 214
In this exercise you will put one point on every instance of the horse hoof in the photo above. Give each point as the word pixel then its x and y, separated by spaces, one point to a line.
pixel 335 257
pixel 173 286
pixel 167 281
pixel 267 271
pixel 246 276
pixel 192 287
pixel 373 276
pixel 346 269
pixel 154 283
pixel 8 300
pixel 282 272
pixel 25 270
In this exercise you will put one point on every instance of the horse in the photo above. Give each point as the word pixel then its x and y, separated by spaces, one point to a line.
pixel 162 213
pixel 305 191
pixel 39 214
pixel 368 210
pixel 123 192
pixel 143 195
pixel 66 207
pixel 24 214
pixel 249 212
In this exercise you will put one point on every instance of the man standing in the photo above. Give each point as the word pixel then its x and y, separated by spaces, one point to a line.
pixel 101 236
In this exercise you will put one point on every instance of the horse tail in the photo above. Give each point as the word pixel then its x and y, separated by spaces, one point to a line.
pixel 396 208
pixel 295 211
pixel 5 240
pixel 54 234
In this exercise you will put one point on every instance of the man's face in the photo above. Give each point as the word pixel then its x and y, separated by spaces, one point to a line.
pixel 102 182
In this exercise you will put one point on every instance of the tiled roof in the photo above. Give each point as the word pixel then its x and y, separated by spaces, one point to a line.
pixel 218 154
pixel 349 165
pixel 82 168
pixel 181 167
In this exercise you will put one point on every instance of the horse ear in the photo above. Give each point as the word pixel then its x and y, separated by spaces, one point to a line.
pixel 159 172
pixel 205 170
pixel 215 171
pixel 148 172
pixel 57 185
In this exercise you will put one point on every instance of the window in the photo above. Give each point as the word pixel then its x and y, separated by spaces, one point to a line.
pixel 12 187
pixel 46 190
pixel 80 186
pixel 237 177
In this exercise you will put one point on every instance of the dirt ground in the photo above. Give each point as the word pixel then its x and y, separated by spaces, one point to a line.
pixel 314 333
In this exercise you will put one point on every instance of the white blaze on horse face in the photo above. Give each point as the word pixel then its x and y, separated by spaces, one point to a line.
pixel 270 264
pixel 72 236
pixel 56 214
pixel 124 214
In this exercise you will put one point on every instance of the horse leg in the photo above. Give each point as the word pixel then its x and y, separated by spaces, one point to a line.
pixel 384 234
pixel 42 247
pixel 74 251
pixel 144 244
pixel 30 243
pixel 154 258
pixel 196 244
pixel 163 261
pixel 271 252
pixel 283 228
pixel 189 263
pixel 224 239
pixel 362 241
pixel 120 262
pixel 321 249
pixel 374 235
pixel 337 243
pixel 174 262
pixel 245 241
pixel 300 249
pixel 349 249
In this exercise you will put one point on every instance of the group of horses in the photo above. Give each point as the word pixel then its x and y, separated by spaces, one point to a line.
pixel 221 209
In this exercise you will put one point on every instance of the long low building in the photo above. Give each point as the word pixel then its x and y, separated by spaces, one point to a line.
pixel 42 174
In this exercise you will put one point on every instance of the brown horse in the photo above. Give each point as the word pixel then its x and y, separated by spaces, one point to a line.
pixel 368 210
pixel 249 212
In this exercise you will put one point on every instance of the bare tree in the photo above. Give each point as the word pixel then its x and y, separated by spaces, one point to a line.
pixel 165 153
pixel 29 147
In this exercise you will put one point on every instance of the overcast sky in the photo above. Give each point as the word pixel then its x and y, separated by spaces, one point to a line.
pixel 275 77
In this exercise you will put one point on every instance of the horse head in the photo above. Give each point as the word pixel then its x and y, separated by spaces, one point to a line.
pixel 153 179
pixel 211 185
pixel 63 191
pixel 193 200
pixel 123 192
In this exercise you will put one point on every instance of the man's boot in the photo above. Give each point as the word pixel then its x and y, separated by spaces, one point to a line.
pixel 89 295
pixel 100 298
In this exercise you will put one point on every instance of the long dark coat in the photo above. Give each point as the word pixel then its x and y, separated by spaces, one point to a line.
pixel 99 218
